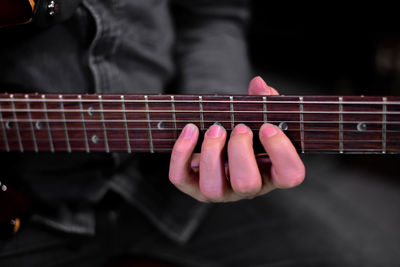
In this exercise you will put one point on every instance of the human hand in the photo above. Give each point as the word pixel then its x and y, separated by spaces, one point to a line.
pixel 205 177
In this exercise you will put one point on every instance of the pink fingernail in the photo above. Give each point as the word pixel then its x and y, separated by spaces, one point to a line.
pixel 240 128
pixel 188 131
pixel 268 130
pixel 215 131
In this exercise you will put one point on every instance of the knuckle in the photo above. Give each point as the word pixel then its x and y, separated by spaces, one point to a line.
pixel 173 179
pixel 209 163
pixel 178 152
pixel 292 179
pixel 212 194
pixel 247 187
pixel 213 147
pixel 202 199
pixel 176 178
pixel 297 178
pixel 208 152
pixel 240 141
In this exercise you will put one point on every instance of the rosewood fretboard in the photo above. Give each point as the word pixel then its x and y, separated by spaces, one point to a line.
pixel 151 123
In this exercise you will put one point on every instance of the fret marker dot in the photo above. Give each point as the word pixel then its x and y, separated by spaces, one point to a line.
pixel 4 188
pixel 95 139
pixel 161 125
pixel 9 125
pixel 284 126
pixel 362 126
pixel 39 125
pixel 91 111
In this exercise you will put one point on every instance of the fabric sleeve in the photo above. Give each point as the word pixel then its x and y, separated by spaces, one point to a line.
pixel 211 50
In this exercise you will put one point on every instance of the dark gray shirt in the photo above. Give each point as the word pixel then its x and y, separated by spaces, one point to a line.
pixel 122 47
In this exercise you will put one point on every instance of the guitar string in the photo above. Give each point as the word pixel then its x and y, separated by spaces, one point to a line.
pixel 127 111
pixel 169 149
pixel 155 129
pixel 313 150
pixel 263 102
pixel 196 120
pixel 277 100
pixel 123 140
pixel 27 131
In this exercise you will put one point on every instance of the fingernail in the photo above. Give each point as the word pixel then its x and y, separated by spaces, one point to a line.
pixel 240 129
pixel 215 131
pixel 268 130
pixel 188 131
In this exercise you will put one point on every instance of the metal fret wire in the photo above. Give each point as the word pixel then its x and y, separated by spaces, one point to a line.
pixel 149 125
pixel 28 106
pixel 201 113
pixel 384 125
pixel 128 141
pixel 340 125
pixel 3 131
pixel 104 125
pixel 265 108
pixel 174 115
pixel 301 124
pixel 21 148
pixel 48 125
pixel 65 124
pixel 232 111
pixel 84 126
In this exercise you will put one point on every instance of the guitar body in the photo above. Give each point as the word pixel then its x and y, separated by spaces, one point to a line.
pixel 42 13
pixel 15 208
pixel 13 12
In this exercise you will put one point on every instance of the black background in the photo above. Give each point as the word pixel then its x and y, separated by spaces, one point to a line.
pixel 341 49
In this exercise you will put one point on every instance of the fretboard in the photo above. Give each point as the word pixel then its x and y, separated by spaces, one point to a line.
pixel 151 123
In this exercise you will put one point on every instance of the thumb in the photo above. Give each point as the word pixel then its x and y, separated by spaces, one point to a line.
pixel 258 86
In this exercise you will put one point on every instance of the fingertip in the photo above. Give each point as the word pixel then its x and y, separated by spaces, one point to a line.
pixel 189 131
pixel 184 146
pixel 268 130
pixel 241 129
pixel 215 131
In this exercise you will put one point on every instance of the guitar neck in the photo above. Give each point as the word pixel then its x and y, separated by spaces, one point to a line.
pixel 151 123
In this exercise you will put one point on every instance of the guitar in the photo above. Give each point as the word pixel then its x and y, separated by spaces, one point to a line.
pixel 151 123
pixel 42 13
pixel 14 12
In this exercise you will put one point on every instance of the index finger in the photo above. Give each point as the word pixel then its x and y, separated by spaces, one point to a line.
pixel 180 170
